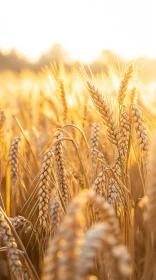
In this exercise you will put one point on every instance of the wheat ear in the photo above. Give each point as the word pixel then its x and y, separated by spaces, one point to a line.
pixel 12 251
pixel 104 109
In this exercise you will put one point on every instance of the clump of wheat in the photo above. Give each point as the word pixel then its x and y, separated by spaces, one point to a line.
pixel 62 254
pixel 88 198
pixel 65 258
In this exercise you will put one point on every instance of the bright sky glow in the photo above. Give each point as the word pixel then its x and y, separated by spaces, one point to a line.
pixel 83 27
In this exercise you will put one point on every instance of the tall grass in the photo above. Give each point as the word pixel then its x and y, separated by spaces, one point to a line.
pixel 77 187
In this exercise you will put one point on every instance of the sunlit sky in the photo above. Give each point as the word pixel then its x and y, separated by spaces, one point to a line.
pixel 83 27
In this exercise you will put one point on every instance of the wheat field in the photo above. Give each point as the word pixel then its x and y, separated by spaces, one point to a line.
pixel 77 175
